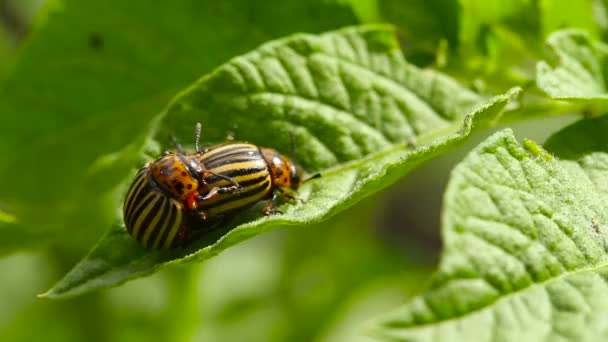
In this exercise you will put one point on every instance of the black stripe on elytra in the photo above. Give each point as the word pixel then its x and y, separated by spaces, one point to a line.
pixel 232 160
pixel 260 179
pixel 136 196
pixel 236 172
pixel 170 222
pixel 240 196
pixel 145 224
pixel 138 211
pixel 133 194
pixel 162 224
pixel 154 229
pixel 227 151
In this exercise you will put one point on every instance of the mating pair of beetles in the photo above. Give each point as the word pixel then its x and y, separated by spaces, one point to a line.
pixel 182 195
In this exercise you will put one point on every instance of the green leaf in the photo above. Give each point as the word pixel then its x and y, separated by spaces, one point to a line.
pixel 497 40
pixel 91 76
pixel 600 15
pixel 580 139
pixel 585 148
pixel 361 115
pixel 575 69
pixel 526 238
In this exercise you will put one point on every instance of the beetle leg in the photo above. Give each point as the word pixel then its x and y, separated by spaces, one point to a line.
pixel 220 190
pixel 270 209
pixel 232 181
pixel 203 215
pixel 290 196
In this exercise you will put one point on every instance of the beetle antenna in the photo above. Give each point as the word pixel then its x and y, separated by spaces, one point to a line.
pixel 176 143
pixel 292 137
pixel 315 176
pixel 197 136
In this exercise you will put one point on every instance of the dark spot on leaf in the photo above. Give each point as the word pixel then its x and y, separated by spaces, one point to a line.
pixel 595 227
pixel 96 41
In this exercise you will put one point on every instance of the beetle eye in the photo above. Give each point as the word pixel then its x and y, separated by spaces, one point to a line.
pixel 295 176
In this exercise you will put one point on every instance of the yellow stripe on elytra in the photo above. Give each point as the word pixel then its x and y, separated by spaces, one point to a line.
pixel 131 213
pixel 152 225
pixel 139 220
pixel 133 193
pixel 219 150
pixel 239 179
pixel 253 164
pixel 174 230
pixel 165 223
pixel 173 205
pixel 235 197
pixel 220 197
pixel 250 176
pixel 239 202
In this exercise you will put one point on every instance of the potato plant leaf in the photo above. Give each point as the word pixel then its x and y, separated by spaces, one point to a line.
pixel 574 70
pixel 90 75
pixel 361 115
pixel 525 254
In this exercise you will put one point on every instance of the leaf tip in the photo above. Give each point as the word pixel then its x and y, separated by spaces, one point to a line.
pixel 43 295
pixel 514 92
pixel 7 217
pixel 52 294
pixel 382 39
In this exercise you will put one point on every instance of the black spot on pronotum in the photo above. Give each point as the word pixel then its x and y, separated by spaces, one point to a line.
pixel 96 41
pixel 189 186
pixel 184 173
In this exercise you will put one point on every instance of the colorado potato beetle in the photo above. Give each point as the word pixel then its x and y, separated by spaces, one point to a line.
pixel 182 195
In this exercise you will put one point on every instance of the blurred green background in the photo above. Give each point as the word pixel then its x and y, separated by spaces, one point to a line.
pixel 321 282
